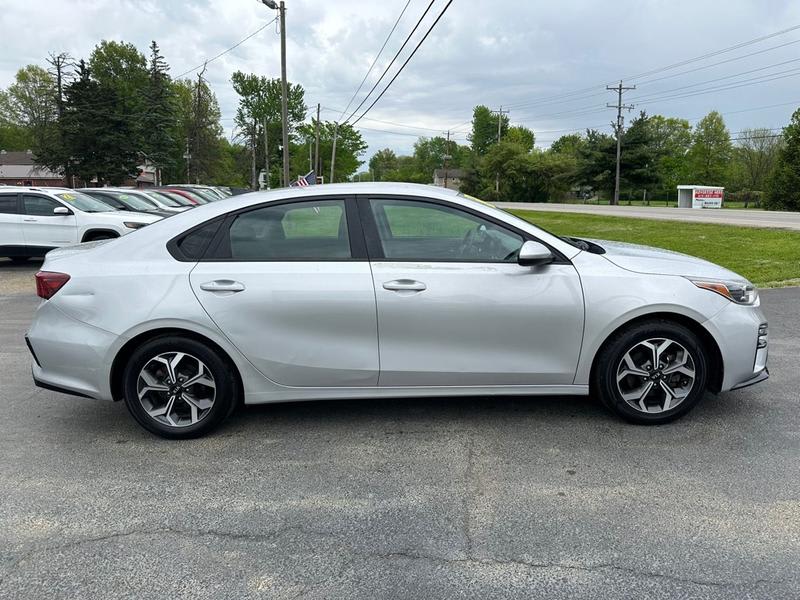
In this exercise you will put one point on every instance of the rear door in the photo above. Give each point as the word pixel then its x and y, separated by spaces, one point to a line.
pixel 289 284
pixel 44 230
pixel 12 242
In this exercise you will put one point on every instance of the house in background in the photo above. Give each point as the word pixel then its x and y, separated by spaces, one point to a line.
pixel 19 168
pixel 449 178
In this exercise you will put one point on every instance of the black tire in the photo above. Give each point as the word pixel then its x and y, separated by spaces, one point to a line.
pixel 17 260
pixel 226 396
pixel 96 237
pixel 612 353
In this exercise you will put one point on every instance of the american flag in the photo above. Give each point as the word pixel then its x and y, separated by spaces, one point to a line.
pixel 309 179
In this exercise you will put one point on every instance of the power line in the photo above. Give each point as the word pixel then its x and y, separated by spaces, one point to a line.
pixel 744 44
pixel 396 56
pixel 224 52
pixel 410 56
pixel 375 60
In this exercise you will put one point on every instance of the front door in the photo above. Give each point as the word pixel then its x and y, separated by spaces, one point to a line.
pixel 43 229
pixel 455 308
pixel 289 284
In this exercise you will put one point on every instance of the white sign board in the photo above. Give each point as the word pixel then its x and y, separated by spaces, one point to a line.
pixel 707 198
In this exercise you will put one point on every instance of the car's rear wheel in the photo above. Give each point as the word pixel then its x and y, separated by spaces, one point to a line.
pixel 178 387
pixel 652 373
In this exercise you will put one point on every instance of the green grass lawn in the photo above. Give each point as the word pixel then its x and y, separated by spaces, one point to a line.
pixel 767 257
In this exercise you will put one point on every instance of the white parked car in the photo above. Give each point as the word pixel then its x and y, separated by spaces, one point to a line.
pixel 34 221
pixel 383 291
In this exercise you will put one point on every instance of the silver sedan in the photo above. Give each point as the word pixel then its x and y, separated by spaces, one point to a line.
pixel 383 290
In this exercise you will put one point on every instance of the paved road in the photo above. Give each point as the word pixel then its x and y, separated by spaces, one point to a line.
pixel 469 498
pixel 748 218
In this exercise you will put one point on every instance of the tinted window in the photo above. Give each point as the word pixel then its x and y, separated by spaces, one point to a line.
pixel 301 230
pixel 8 204
pixel 412 230
pixel 83 202
pixel 39 205
pixel 194 244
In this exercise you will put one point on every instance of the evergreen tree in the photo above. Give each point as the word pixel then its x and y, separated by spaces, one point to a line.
pixel 158 120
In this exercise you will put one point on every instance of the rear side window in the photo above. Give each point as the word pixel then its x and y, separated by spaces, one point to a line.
pixel 193 245
pixel 8 204
pixel 313 230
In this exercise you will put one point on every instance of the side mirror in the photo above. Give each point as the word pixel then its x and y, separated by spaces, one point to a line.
pixel 533 254
pixel 61 210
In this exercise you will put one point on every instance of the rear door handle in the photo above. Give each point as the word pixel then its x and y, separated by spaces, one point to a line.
pixel 222 285
pixel 404 285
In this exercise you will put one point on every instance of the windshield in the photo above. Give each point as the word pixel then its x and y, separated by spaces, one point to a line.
pixel 164 199
pixel 84 203
pixel 134 201
pixel 181 198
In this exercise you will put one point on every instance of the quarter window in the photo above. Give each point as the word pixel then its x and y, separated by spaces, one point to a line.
pixel 8 204
pixel 39 206
pixel 420 231
pixel 314 230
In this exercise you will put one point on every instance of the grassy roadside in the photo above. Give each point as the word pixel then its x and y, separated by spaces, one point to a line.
pixel 767 257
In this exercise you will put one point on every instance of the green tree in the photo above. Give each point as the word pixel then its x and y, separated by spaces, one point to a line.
pixel 671 139
pixel 568 145
pixel 754 158
pixel 525 176
pixel 522 136
pixel 710 154
pixel 350 146
pixel 783 189
pixel 382 163
pixel 159 118
pixel 32 107
pixel 638 165
pixel 13 135
pixel 484 129
pixel 94 147
pixel 596 163
pixel 259 109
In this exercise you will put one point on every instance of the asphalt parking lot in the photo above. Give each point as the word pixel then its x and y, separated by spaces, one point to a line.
pixel 457 498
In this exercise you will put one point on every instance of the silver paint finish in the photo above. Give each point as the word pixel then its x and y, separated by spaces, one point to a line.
pixel 324 330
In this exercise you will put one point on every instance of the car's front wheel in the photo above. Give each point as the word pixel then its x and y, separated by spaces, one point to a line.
pixel 652 373
pixel 178 387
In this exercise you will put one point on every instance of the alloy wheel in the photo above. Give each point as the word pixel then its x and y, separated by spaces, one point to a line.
pixel 656 375
pixel 176 389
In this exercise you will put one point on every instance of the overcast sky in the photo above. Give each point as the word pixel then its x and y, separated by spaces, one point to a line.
pixel 504 52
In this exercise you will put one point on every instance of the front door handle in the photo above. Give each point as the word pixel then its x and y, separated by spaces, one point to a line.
pixel 404 285
pixel 222 285
pixel 31 220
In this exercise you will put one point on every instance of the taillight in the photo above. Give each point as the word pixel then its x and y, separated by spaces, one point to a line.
pixel 49 282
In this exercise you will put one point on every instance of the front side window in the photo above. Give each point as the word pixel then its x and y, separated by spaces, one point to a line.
pixel 313 230
pixel 39 206
pixel 420 231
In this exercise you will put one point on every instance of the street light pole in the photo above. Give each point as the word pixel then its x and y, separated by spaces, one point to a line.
pixel 281 8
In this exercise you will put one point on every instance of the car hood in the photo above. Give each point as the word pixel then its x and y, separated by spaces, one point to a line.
pixel 657 261
pixel 121 216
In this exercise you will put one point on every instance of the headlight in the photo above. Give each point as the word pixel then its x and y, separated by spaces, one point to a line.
pixel 134 225
pixel 740 292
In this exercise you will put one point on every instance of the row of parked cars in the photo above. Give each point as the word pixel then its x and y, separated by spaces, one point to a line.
pixel 35 220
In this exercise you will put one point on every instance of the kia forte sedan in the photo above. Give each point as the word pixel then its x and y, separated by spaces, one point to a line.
pixel 381 291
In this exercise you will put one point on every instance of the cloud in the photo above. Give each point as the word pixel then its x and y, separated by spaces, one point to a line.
pixel 508 52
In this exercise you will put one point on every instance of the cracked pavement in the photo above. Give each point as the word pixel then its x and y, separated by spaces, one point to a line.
pixel 436 498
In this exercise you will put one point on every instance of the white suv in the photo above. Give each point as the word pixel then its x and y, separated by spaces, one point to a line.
pixel 33 221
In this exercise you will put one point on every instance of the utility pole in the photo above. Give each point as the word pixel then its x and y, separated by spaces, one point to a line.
pixel 266 152
pixel 317 166
pixel 333 153
pixel 618 128
pixel 58 62
pixel 281 8
pixel 499 134
pixel 188 156
pixel 446 158
pixel 253 177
